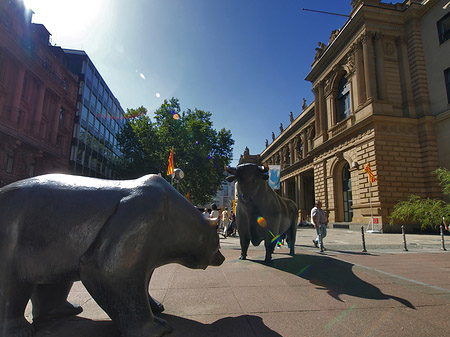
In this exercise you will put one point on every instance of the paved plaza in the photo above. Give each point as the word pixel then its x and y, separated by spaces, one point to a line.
pixel 340 292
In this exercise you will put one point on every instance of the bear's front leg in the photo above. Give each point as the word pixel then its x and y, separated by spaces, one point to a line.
pixel 124 297
pixel 14 297
pixel 50 302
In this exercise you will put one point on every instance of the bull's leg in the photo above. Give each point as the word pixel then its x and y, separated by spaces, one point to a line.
pixel 245 242
pixel 50 301
pixel 14 297
pixel 291 237
pixel 124 296
pixel 270 246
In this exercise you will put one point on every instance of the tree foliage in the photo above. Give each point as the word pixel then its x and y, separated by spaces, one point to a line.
pixel 199 150
pixel 427 212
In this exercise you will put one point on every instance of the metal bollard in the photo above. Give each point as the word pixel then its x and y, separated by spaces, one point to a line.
pixel 442 238
pixel 404 239
pixel 363 240
pixel 320 238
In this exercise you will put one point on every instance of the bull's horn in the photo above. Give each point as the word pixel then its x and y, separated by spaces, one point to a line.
pixel 230 170
pixel 264 168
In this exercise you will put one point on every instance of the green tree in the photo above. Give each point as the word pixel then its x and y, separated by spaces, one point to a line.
pixel 427 212
pixel 199 150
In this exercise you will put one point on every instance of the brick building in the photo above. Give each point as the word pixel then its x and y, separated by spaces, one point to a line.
pixel 381 87
pixel 37 98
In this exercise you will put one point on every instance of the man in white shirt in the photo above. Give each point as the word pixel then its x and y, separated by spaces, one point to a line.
pixel 320 222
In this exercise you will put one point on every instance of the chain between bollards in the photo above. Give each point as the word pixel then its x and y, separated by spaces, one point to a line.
pixel 442 238
pixel 404 239
pixel 363 240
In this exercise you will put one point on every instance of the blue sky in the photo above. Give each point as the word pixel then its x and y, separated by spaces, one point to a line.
pixel 245 61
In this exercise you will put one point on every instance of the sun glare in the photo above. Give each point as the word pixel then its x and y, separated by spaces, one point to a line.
pixel 67 20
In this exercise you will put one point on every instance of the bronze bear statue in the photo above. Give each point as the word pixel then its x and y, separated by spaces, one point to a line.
pixel 56 229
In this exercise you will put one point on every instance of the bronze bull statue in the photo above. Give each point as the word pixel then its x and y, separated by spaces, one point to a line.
pixel 57 229
pixel 261 214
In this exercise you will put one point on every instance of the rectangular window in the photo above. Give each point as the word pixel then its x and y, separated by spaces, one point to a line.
pixel 100 91
pixel 93 102
pixel 73 151
pixel 95 86
pixel 9 164
pixel 447 83
pixel 91 120
pixel 84 113
pixel 97 125
pixel 443 26
pixel 87 93
pixel 89 75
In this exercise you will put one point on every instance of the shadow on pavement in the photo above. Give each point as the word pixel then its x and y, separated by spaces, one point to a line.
pixel 240 326
pixel 335 276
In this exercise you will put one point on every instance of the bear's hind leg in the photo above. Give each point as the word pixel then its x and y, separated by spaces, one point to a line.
pixel 124 297
pixel 50 302
pixel 13 300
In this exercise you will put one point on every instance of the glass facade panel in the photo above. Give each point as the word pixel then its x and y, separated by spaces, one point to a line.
pixel 82 133
pixel 95 84
pixel 86 94
pixel 84 114
pixel 89 73
pixel 97 125
pixel 91 120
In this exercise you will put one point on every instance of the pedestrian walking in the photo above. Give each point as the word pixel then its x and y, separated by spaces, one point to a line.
pixel 320 222
pixel 225 221
pixel 215 214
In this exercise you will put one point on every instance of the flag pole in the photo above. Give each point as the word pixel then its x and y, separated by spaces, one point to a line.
pixel 371 210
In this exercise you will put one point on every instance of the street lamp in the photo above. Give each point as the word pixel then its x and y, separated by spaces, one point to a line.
pixel 178 175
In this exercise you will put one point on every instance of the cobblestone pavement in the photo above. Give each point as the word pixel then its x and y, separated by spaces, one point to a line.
pixel 340 292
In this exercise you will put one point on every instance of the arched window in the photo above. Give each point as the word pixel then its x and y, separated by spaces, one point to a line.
pixel 347 193
pixel 343 100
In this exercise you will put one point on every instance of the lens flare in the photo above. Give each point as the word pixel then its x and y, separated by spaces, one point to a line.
pixel 262 222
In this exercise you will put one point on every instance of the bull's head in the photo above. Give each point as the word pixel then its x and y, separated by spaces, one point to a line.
pixel 250 177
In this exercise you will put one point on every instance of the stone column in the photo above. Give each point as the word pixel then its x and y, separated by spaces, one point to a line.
pixel 369 66
pixel 317 114
pixel 305 143
pixel 380 74
pixel 291 153
pixel 360 81
pixel 323 111
pixel 17 95
pixel 405 78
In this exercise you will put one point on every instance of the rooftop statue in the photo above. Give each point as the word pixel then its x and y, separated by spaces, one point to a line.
pixel 56 229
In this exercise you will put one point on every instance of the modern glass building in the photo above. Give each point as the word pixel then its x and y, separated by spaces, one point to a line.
pixel 99 117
